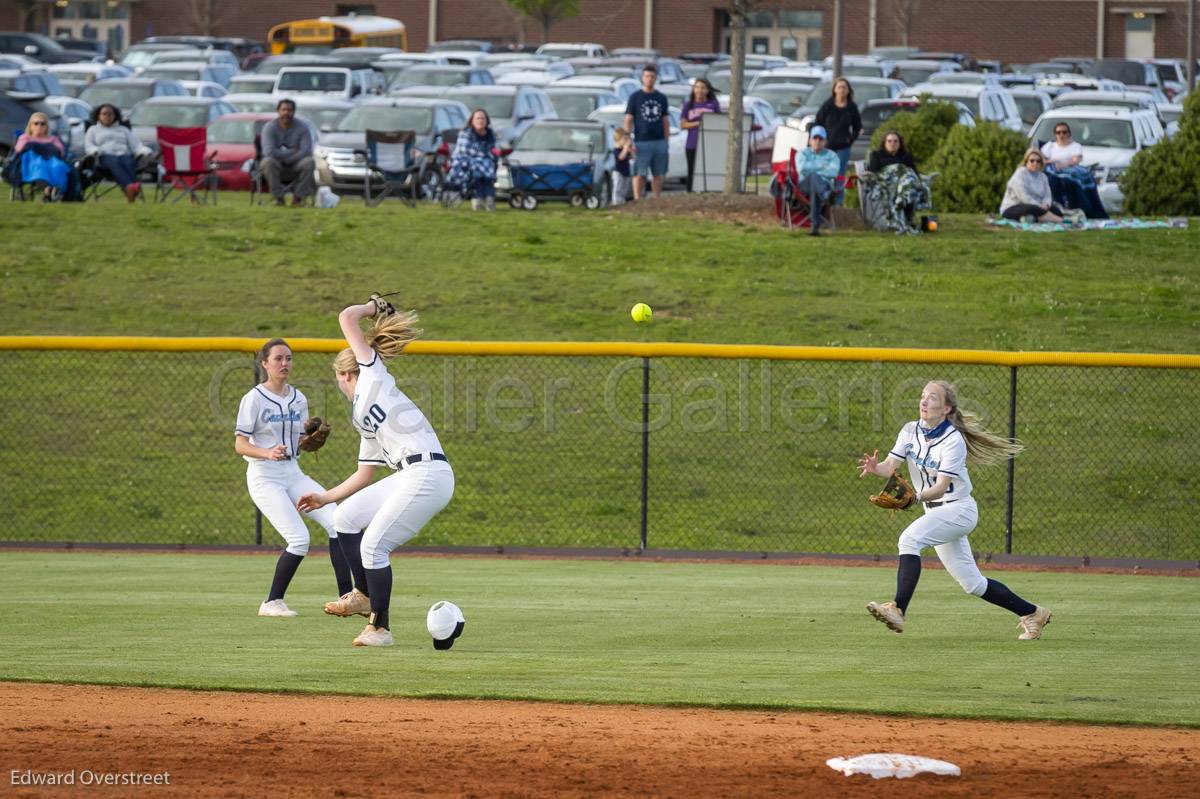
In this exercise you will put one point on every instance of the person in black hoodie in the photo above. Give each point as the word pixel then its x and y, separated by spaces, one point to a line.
pixel 893 151
pixel 839 116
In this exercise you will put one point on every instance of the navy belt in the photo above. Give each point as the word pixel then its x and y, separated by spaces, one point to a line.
pixel 421 456
pixel 939 504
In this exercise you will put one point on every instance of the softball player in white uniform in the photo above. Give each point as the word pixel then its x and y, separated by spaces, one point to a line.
pixel 270 421
pixel 395 434
pixel 937 449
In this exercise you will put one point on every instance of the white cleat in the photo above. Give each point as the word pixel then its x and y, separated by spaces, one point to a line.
pixel 374 636
pixel 276 608
pixel 1031 625
pixel 888 613
pixel 349 604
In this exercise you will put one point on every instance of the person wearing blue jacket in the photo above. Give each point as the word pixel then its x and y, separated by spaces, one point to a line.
pixel 817 170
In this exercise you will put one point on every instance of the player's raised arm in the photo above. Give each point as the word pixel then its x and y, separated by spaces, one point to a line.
pixel 869 463
pixel 349 320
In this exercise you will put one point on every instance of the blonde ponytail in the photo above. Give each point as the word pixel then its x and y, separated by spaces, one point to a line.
pixel 388 336
pixel 983 446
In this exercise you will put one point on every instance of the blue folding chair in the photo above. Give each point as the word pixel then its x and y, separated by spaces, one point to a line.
pixel 391 169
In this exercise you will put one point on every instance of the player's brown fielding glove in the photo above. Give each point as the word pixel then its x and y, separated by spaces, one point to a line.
pixel 316 430
pixel 898 494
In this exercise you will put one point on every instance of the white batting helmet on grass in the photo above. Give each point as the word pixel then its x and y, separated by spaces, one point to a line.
pixel 445 623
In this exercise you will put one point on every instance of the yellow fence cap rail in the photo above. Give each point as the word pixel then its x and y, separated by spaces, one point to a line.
pixel 625 349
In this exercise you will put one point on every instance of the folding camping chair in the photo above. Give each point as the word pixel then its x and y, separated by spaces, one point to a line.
pixel 186 166
pixel 11 170
pixel 391 168
pixel 793 207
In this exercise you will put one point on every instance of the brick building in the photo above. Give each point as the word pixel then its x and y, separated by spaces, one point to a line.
pixel 1010 30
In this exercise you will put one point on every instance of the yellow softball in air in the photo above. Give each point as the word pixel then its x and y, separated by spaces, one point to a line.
pixel 641 313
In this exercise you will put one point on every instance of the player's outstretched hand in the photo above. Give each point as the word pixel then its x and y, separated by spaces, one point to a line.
pixel 868 463
pixel 279 452
pixel 310 502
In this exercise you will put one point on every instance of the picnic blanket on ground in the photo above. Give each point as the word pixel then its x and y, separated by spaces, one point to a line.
pixel 1091 224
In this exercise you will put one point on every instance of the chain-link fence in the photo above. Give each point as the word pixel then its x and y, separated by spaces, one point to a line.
pixel 549 451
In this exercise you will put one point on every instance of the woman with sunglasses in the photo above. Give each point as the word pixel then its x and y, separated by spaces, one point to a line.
pixel 1063 152
pixel 1028 192
pixel 41 158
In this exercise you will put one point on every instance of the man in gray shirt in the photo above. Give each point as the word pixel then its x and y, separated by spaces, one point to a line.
pixel 287 150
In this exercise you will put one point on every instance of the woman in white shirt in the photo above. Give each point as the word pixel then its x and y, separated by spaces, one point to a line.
pixel 269 424
pixel 1063 152
pixel 115 148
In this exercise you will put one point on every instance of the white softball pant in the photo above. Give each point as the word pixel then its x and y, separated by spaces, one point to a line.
pixel 275 487
pixel 946 528
pixel 395 509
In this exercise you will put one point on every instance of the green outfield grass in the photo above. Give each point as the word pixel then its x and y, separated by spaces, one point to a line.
pixel 138 446
pixel 1121 649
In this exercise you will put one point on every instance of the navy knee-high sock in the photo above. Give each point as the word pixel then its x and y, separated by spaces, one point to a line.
pixel 285 570
pixel 1000 594
pixel 341 568
pixel 906 580
pixel 350 543
pixel 380 581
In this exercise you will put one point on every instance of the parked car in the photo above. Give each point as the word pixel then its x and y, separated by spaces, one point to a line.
pixel 575 102
pixel 461 44
pixel 969 78
pixel 720 77
pixel 43 48
pixel 573 50
pixel 241 48
pixel 989 103
pixel 251 83
pixel 252 102
pixel 809 75
pixel 1032 103
pixel 463 58
pixel 1172 76
pixel 344 170
pixel 865 90
pixel 622 87
pixel 1138 100
pixel 32 81
pixel 669 70
pixel 1057 84
pixel 918 70
pixel 512 108
pixel 551 142
pixel 125 93
pixel 423 58
pixel 324 112
pixel 862 66
pixel 358 55
pixel 77 77
pixel 441 75
pixel 175 112
pixel 14 116
pixel 785 98
pixel 339 82
pixel 764 122
pixel 221 58
pixel 187 70
pixel 143 53
pixel 554 67
pixel 203 88
pixel 1125 70
pixel 614 115
pixel 526 78
pixel 94 47
pixel 272 64
pixel 1110 138
pixel 647 53
pixel 231 140
pixel 492 60
pixel 76 115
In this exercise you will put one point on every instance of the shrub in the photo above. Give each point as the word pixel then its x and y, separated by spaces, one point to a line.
pixel 922 130
pixel 1165 178
pixel 974 165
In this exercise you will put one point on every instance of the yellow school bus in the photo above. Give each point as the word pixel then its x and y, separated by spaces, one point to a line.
pixel 318 36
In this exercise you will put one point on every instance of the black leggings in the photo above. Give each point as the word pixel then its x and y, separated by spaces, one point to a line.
pixel 691 164
pixel 1015 212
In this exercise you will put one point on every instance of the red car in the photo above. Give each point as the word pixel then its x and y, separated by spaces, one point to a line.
pixel 231 138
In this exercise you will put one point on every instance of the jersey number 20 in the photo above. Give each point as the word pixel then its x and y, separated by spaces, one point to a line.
pixel 374 418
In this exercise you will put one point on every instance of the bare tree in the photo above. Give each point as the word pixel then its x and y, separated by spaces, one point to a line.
pixel 546 12
pixel 903 12
pixel 735 164
pixel 205 16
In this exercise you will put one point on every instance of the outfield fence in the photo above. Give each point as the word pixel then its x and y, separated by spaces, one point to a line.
pixel 669 446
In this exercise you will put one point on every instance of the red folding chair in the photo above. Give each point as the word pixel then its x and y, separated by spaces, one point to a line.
pixel 793 207
pixel 186 165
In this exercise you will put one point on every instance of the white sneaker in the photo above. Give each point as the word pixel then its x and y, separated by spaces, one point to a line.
pixel 476 204
pixel 276 607
pixel 349 604
pixel 373 636
pixel 1031 625
pixel 888 613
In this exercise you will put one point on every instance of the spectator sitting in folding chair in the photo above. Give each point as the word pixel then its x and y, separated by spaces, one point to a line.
pixel 287 149
pixel 39 160
pixel 816 173
pixel 115 149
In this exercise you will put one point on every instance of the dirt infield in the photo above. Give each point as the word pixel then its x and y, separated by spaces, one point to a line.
pixel 255 745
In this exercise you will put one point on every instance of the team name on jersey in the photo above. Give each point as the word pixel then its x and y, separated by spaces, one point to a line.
pixel 274 416
pixel 926 461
